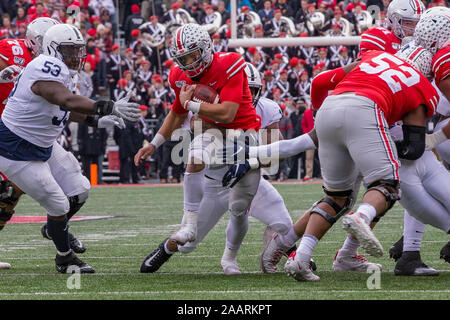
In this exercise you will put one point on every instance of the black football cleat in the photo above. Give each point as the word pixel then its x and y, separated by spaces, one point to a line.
pixel 76 245
pixel 395 252
pixel 445 253
pixel 410 264
pixel 71 264
pixel 156 259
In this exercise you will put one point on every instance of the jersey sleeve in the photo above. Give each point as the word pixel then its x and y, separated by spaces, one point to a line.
pixel 432 98
pixel 46 68
pixel 441 64
pixel 323 83
pixel 233 64
pixel 176 105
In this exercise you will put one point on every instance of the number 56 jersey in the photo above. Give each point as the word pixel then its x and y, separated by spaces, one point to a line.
pixel 394 85
pixel 30 116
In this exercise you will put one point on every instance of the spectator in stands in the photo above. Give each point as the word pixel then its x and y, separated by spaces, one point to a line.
pixel 129 141
pixel 266 14
pixel 221 8
pixel 85 84
pixel 307 126
pixel 286 130
pixel 91 148
pixel 286 9
pixel 132 22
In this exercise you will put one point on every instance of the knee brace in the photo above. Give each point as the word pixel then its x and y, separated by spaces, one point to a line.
pixel 9 197
pixel 76 202
pixel 340 211
pixel 391 191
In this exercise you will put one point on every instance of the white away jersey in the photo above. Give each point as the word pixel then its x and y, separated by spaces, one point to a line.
pixel 269 111
pixel 31 117
pixel 443 105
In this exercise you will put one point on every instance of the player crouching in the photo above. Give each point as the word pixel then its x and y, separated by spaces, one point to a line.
pixel 36 112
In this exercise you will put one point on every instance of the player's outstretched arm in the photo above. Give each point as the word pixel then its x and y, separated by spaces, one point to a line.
pixel 56 93
pixel 172 122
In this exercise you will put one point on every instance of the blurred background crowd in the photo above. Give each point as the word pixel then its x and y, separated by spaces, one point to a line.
pixel 127 46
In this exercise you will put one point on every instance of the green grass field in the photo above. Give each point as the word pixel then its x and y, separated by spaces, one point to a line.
pixel 147 215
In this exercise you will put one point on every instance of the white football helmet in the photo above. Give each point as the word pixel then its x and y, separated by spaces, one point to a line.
pixel 417 56
pixel 254 81
pixel 36 31
pixel 65 42
pixel 400 11
pixel 192 49
pixel 433 30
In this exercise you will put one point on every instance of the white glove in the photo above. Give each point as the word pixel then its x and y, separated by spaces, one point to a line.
pixel 127 110
pixel 434 139
pixel 10 74
pixel 111 121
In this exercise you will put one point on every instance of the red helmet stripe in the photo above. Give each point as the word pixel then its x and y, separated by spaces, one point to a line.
pixel 419 10
pixel 179 39
pixel 415 53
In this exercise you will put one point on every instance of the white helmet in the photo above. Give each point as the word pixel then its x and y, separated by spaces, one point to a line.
pixel 35 33
pixel 65 42
pixel 254 81
pixel 433 30
pixel 192 41
pixel 404 10
pixel 416 56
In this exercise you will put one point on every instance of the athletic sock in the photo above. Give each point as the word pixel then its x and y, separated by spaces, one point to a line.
pixel 367 212
pixel 59 233
pixel 289 239
pixel 412 233
pixel 193 190
pixel 306 247
pixel 166 249
pixel 236 231
pixel 350 245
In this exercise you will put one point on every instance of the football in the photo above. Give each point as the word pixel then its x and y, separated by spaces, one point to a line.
pixel 205 94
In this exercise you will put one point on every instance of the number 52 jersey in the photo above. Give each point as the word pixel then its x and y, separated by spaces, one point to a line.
pixel 30 116
pixel 395 86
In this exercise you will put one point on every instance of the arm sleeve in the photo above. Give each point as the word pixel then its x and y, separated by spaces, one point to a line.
pixel 323 83
pixel 283 149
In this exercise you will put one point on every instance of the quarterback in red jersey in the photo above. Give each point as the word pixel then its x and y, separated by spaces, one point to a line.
pixel 192 50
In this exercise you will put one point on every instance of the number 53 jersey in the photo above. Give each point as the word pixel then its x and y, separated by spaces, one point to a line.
pixel 394 85
pixel 30 116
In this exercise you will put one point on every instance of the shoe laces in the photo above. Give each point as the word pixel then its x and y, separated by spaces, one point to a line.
pixel 360 257
pixel 277 255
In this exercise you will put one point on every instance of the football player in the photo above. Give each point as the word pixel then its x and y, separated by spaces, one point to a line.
pixel 15 54
pixel 267 205
pixel 37 109
pixel 191 48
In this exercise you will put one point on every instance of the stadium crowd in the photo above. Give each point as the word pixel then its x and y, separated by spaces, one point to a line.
pixel 141 62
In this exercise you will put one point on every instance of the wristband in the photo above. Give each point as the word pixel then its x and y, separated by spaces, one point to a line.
pixel 158 140
pixel 254 163
pixel 192 106
pixel 91 121
pixel 103 107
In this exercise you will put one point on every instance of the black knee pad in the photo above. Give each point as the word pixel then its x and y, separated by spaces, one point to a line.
pixel 340 211
pixel 75 205
pixel 390 189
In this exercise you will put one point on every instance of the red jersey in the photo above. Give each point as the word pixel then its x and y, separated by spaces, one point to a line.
pixel 441 64
pixel 226 75
pixel 13 52
pixel 379 38
pixel 323 84
pixel 390 82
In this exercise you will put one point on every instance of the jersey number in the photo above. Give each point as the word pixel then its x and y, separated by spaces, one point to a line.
pixel 63 120
pixel 408 77
pixel 48 68
pixel 16 48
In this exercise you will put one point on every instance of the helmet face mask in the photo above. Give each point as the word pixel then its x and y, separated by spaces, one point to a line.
pixel 74 56
pixel 254 82
pixel 403 15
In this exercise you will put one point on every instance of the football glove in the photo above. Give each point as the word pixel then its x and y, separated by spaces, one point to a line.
pixel 434 139
pixel 111 121
pixel 126 110
pixel 9 74
pixel 237 171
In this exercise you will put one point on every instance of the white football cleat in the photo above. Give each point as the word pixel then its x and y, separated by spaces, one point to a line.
pixel 5 265
pixel 353 223
pixel 188 230
pixel 272 254
pixel 343 261
pixel 229 263
pixel 298 270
